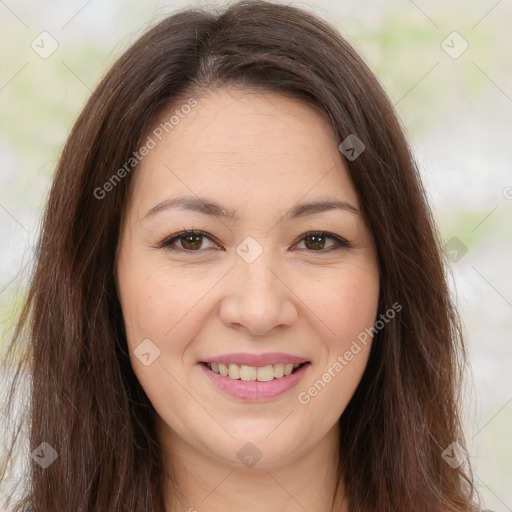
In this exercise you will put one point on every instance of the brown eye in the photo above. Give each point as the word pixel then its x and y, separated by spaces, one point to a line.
pixel 316 242
pixel 191 241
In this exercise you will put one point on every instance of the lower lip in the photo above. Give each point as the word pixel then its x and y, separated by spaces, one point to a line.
pixel 255 390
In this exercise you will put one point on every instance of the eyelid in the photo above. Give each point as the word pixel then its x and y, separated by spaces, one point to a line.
pixel 167 242
pixel 340 242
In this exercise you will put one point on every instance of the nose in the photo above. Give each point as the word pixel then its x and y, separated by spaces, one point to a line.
pixel 257 298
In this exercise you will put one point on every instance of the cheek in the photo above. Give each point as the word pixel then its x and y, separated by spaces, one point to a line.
pixel 152 300
pixel 346 304
pixel 357 309
pixel 348 315
pixel 154 308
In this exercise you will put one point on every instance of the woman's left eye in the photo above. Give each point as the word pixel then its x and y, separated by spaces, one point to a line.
pixel 191 241
pixel 317 240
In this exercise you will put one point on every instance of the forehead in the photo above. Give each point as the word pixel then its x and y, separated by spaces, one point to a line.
pixel 244 146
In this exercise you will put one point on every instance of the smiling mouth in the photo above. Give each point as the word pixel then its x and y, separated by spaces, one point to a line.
pixel 254 373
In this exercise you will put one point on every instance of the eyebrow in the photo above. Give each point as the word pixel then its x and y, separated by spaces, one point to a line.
pixel 213 209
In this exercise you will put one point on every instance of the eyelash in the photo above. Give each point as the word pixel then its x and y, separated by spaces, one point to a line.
pixel 167 243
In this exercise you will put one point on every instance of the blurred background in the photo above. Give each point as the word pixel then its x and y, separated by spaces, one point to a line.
pixel 447 69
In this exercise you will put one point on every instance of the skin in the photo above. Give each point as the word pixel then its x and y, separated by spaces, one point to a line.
pixel 260 154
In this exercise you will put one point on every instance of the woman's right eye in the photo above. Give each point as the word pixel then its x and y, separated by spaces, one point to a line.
pixel 190 241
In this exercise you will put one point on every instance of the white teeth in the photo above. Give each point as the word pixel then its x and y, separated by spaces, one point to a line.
pixel 251 373
pixel 247 372
pixel 234 371
pixel 278 370
pixel 265 373
pixel 288 368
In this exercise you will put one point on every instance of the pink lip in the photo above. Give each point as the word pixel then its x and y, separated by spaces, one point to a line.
pixel 256 359
pixel 254 390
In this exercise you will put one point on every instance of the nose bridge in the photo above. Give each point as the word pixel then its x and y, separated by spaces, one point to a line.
pixel 256 269
pixel 260 300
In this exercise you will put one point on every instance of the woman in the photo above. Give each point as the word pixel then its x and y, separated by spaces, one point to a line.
pixel 239 300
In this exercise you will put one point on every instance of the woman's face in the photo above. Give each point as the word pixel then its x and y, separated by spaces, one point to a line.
pixel 255 173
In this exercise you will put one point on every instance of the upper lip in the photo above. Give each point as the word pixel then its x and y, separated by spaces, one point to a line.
pixel 256 359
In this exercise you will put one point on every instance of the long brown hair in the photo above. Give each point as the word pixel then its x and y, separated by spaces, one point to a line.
pixel 86 402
